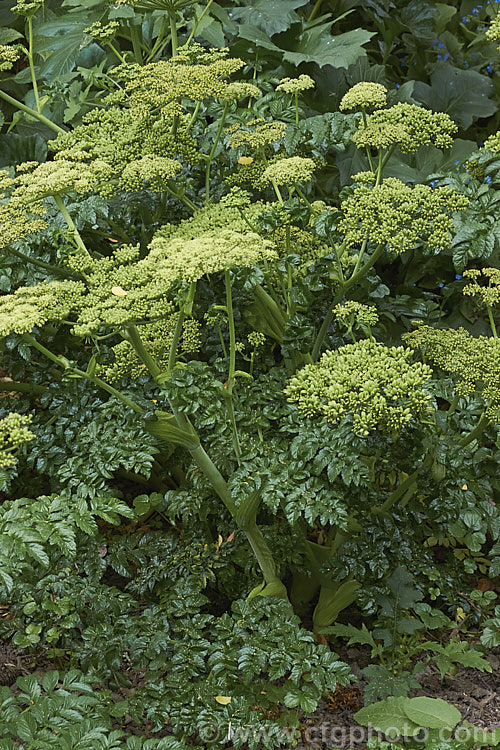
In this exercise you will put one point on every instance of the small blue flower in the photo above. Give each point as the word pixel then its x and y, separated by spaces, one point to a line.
pixel 466 64
pixel 432 183
pixel 441 285
pixel 488 180
pixel 439 57
pixel 456 162
pixel 447 54
pixel 441 45
pixel 458 277
pixel 489 68
pixel 398 85
pixel 465 19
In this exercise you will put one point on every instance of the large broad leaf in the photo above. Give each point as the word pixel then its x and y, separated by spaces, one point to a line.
pixel 15 149
pixel 271 16
pixel 61 40
pixel 403 593
pixel 427 161
pixel 9 35
pixel 258 37
pixel 432 713
pixel 463 94
pixel 388 716
pixel 317 45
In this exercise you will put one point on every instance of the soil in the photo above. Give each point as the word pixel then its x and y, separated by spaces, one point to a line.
pixel 476 695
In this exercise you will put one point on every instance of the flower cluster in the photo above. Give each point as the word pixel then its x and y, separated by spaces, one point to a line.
pixel 355 313
pixel 154 171
pixel 27 8
pixel 364 95
pixel 257 134
pixel 59 177
pixel 293 85
pixel 475 362
pixel 35 305
pixel 198 76
pixel 14 432
pixel 493 33
pixel 239 90
pixel 8 56
pixel 103 32
pixel 289 171
pixel 493 143
pixel 406 126
pixel 212 252
pixel 374 383
pixel 400 216
pixel 487 294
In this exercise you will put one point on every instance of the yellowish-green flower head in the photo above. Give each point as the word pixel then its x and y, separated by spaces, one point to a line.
pixel 400 216
pixel 153 171
pixel 351 312
pixel 473 362
pixel 208 253
pixel 32 306
pixel 377 385
pixel 60 177
pixel 14 431
pixel 27 8
pixel 364 95
pixel 289 171
pixel 406 126
pixel 240 90
pixel 493 33
pixel 8 56
pixel 256 134
pixel 484 287
pixel 493 143
pixel 103 32
pixel 294 85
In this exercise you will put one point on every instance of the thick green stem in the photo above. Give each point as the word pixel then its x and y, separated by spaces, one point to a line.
pixel 278 192
pixel 116 53
pixel 10 385
pixel 133 336
pixel 56 270
pixel 492 322
pixel 32 65
pixel 66 365
pixel 368 152
pixel 135 36
pixel 29 111
pixel 379 169
pixel 205 464
pixel 314 11
pixel 197 22
pixel 356 276
pixel 232 364
pixel 476 432
pixel 71 225
pixel 402 488
pixel 212 151
pixel 182 198
pixel 173 33
pixel 172 355
pixel 296 100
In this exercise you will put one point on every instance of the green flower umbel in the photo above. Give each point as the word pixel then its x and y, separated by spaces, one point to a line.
pixel 376 384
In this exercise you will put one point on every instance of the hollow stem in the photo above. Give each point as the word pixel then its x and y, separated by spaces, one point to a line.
pixel 66 365
pixel 71 224
pixel 212 151
pixel 232 364
pixel 32 65
pixel 56 270
pixel 173 33
pixel 476 432
pixel 492 322
pixel 10 385
pixel 136 43
pixel 29 111
pixel 203 461
pixel 197 23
